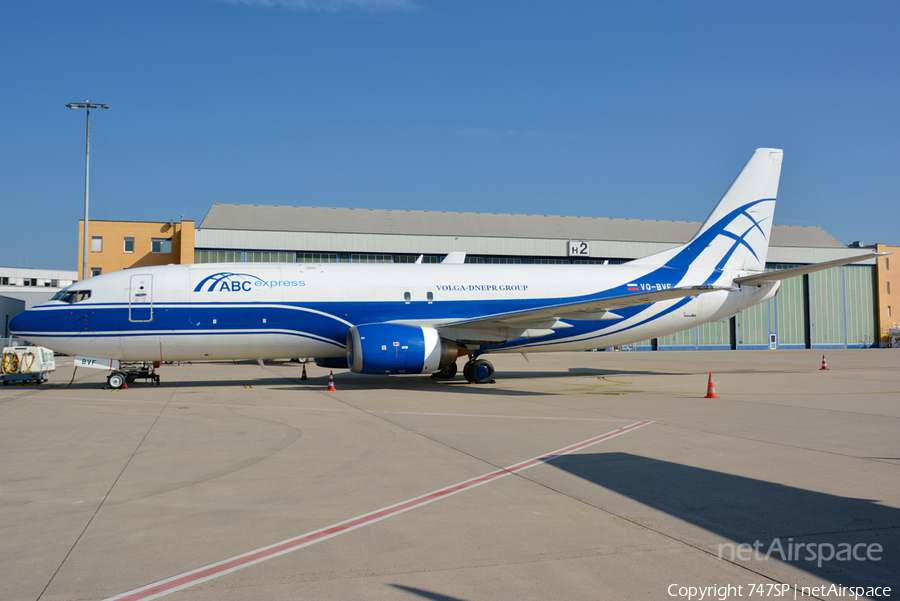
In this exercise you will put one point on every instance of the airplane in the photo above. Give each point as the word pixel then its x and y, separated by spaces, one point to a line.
pixel 419 318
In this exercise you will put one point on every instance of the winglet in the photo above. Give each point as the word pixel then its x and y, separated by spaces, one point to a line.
pixel 454 258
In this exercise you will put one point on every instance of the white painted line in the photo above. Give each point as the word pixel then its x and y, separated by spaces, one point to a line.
pixel 328 410
pixel 239 562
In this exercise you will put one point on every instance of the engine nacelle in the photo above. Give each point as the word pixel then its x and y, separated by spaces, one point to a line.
pixel 332 362
pixel 393 348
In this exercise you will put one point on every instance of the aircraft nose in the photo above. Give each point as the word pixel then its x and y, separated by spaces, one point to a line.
pixel 18 323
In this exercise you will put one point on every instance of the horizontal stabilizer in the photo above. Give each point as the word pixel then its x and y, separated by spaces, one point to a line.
pixel 784 274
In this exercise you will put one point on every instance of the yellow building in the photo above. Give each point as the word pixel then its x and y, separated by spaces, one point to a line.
pixel 117 245
pixel 888 303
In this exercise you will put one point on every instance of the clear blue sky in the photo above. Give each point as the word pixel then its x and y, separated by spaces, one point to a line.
pixel 643 110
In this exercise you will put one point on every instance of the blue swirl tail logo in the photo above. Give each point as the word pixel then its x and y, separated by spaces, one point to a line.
pixel 229 282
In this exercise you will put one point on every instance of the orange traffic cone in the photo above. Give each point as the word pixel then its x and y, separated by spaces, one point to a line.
pixel 824 365
pixel 303 376
pixel 331 383
pixel 711 388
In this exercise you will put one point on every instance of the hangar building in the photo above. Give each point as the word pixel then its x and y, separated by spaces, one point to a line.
pixel 836 308
pixel 22 288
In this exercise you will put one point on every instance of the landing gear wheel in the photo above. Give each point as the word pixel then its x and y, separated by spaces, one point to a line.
pixel 467 371
pixel 116 380
pixel 446 372
pixel 479 371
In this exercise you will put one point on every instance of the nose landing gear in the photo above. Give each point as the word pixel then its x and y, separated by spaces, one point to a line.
pixel 128 373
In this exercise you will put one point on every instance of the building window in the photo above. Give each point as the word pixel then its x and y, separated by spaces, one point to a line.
pixel 371 258
pixel 414 258
pixel 161 246
pixel 474 259
pixel 129 245
pixel 4 281
pixel 317 258
pixel 97 244
pixel 267 256
pixel 54 283
pixel 217 256
pixel 551 261
pixel 503 260
pixel 95 271
pixel 30 281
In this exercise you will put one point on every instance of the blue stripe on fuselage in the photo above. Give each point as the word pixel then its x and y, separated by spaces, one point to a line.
pixel 326 320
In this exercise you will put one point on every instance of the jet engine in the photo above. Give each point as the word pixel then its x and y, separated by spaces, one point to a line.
pixel 393 348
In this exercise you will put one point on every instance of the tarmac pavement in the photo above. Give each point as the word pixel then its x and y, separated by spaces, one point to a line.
pixel 574 476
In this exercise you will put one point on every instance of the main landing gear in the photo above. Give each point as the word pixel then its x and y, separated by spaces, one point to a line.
pixel 129 372
pixel 447 372
pixel 478 371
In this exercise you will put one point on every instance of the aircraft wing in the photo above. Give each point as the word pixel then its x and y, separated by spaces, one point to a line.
pixel 774 276
pixel 542 321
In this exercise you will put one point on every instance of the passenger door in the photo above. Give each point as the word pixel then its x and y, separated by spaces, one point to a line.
pixel 140 304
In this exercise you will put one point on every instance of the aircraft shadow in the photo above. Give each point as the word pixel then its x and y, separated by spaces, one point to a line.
pixel 745 510
pixel 286 377
pixel 425 594
pixel 582 371
pixel 343 381
pixel 353 381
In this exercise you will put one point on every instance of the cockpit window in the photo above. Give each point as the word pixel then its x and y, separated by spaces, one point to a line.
pixel 72 296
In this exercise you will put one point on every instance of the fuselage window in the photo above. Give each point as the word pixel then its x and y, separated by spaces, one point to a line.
pixel 407 296
pixel 430 296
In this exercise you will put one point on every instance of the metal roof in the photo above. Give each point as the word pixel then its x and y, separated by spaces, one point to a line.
pixel 278 218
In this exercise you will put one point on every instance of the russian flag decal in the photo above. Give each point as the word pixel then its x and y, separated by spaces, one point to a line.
pixel 632 287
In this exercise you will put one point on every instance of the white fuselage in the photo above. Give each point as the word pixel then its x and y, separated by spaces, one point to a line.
pixel 240 311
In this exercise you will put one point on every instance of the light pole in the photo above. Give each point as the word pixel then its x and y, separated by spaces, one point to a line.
pixel 87 104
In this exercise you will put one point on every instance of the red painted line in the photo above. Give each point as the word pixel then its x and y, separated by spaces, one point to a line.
pixel 193 577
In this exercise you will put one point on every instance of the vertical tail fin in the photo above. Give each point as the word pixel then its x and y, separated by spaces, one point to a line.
pixel 736 233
